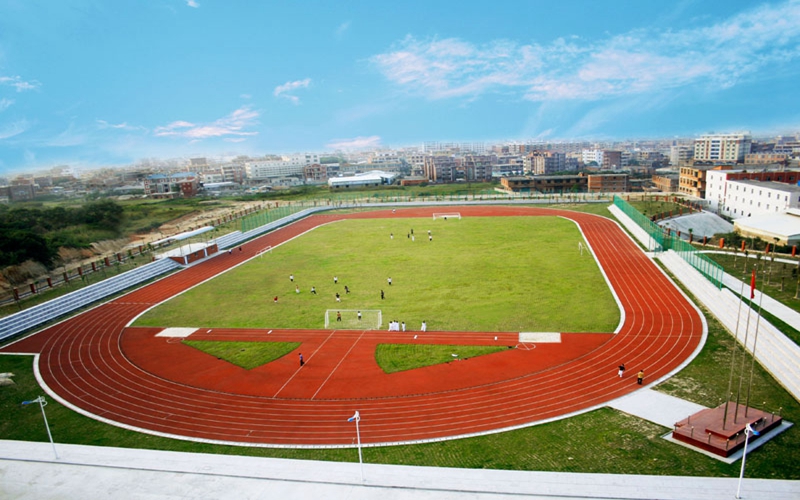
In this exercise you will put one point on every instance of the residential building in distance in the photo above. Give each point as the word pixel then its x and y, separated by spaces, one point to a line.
pixel 680 155
pixel 441 168
pixel 545 184
pixel 766 158
pixel 590 156
pixel 185 184
pixel 608 183
pixel 748 198
pixel 283 166
pixel 478 168
pixel 722 148
pixel 666 183
pixel 544 162
pixel 612 160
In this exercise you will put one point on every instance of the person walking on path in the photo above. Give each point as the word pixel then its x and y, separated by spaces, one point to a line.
pixel 302 361
pixel 621 370
pixel 640 377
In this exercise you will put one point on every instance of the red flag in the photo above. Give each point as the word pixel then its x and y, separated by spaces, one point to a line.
pixel 753 285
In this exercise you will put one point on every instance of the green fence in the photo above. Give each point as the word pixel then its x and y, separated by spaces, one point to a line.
pixel 270 215
pixel 661 241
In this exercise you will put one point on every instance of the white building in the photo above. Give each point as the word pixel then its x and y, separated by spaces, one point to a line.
pixel 785 227
pixel 285 166
pixel 367 179
pixel 592 155
pixel 722 147
pixel 747 198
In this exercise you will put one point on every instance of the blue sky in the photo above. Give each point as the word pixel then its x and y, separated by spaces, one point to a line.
pixel 94 82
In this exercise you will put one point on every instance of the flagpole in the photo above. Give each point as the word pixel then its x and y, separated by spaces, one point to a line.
pixel 744 344
pixel 755 342
pixel 733 356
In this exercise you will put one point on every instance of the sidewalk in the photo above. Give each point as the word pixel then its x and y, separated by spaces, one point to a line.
pixel 28 471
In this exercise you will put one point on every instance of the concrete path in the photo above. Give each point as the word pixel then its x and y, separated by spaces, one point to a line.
pixel 656 407
pixel 28 471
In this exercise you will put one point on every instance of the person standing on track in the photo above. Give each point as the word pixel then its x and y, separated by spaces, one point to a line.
pixel 621 370
pixel 640 377
pixel 302 361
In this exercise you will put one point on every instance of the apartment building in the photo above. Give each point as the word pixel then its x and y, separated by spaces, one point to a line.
pixel 722 148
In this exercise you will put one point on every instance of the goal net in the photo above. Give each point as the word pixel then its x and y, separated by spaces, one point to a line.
pixel 449 215
pixel 264 250
pixel 371 319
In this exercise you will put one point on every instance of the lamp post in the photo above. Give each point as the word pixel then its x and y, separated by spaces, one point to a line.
pixel 357 418
pixel 747 431
pixel 42 403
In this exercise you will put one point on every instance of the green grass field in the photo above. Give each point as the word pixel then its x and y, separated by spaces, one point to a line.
pixel 478 274
pixel 247 355
pixel 394 358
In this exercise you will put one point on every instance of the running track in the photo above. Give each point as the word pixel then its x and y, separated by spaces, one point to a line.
pixel 124 376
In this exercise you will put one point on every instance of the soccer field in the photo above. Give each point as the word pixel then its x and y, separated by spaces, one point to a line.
pixel 476 274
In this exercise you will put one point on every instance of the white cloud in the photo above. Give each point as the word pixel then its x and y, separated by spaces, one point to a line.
pixel 5 103
pixel 281 90
pixel 747 45
pixel 245 96
pixel 342 28
pixel 19 84
pixel 102 124
pixel 192 3
pixel 14 129
pixel 370 142
pixel 232 125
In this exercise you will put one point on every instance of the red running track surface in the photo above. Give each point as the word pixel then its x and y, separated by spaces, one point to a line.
pixel 128 377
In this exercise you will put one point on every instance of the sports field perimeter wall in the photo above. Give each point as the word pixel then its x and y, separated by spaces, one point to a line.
pixel 661 241
pixel 35 316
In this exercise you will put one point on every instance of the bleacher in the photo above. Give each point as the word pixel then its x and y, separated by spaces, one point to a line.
pixel 53 309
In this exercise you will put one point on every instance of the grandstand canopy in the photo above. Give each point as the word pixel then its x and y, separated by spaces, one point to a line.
pixel 183 236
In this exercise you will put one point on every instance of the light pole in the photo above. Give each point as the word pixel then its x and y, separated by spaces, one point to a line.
pixel 747 431
pixel 357 418
pixel 42 403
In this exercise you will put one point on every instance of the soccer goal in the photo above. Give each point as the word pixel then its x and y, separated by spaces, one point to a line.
pixel 266 249
pixel 371 319
pixel 449 215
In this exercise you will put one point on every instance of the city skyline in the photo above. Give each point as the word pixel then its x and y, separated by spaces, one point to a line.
pixel 90 84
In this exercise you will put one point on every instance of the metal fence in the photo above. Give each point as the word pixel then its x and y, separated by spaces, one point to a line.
pixel 661 241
